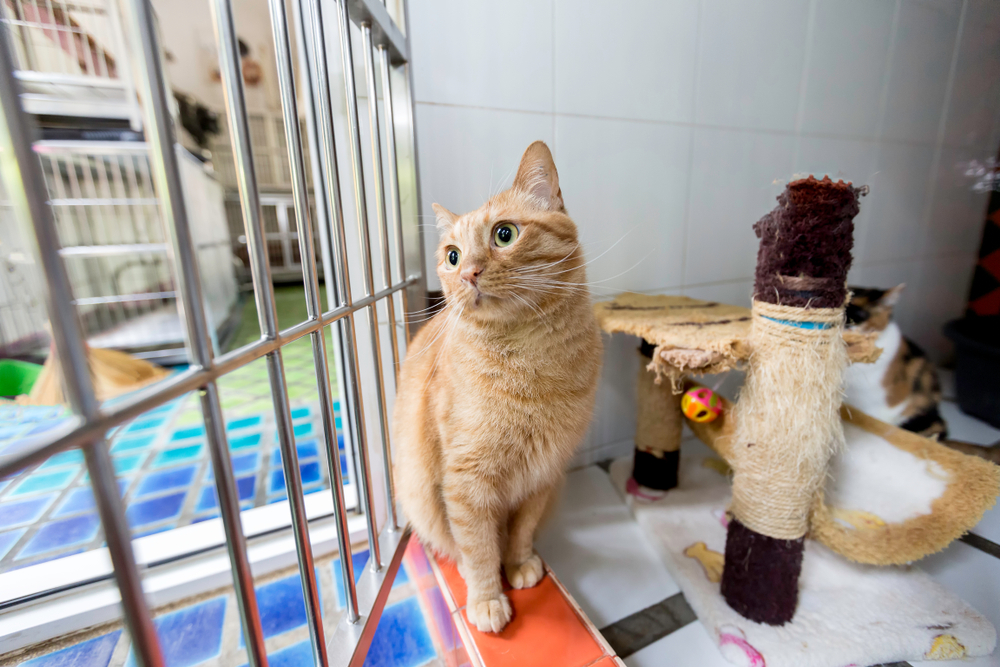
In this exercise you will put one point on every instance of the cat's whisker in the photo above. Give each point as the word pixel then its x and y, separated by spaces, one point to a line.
pixel 527 303
pixel 440 332
pixel 447 338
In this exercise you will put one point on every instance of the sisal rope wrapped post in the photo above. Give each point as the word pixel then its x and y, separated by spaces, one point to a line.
pixel 788 419
pixel 659 426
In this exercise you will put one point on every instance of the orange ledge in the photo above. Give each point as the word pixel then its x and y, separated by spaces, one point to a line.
pixel 548 628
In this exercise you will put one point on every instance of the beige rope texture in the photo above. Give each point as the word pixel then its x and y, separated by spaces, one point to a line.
pixel 788 420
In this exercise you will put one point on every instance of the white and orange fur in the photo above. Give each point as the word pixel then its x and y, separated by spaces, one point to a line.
pixel 498 389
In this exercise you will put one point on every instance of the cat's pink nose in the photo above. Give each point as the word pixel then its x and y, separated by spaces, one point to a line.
pixel 470 274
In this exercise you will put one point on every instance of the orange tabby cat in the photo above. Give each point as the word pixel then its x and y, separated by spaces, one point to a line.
pixel 498 388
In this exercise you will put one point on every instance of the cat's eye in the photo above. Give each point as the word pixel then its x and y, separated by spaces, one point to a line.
pixel 452 256
pixel 505 234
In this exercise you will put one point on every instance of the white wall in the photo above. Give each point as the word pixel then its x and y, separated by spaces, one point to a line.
pixel 675 124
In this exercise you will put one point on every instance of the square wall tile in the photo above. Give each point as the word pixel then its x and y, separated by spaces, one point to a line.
pixel 626 184
pixel 896 204
pixel 465 156
pixel 739 293
pixel 40 482
pixel 736 178
pixel 944 290
pixel 19 512
pixel 844 85
pixel 157 509
pixel 918 75
pixel 958 209
pixel 191 635
pixel 483 54
pixel 975 94
pixel 9 539
pixel 744 79
pixel 603 69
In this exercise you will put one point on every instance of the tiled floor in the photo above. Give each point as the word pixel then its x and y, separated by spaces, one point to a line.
pixel 162 463
pixel 415 628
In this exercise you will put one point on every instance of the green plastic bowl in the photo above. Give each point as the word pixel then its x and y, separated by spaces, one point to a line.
pixel 17 377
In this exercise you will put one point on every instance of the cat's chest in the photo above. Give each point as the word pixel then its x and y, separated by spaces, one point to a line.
pixel 864 384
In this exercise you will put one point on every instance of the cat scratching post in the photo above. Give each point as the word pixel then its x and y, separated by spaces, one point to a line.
pixel 658 429
pixel 788 422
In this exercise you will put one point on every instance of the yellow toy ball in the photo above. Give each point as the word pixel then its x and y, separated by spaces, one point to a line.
pixel 701 404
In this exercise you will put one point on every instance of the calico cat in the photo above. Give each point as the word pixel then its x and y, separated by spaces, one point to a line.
pixel 902 387
pixel 499 387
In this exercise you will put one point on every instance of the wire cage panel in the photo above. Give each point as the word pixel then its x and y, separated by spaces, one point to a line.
pixel 383 188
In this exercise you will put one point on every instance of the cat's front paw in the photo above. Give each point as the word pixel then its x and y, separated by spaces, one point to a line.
pixel 527 574
pixel 489 615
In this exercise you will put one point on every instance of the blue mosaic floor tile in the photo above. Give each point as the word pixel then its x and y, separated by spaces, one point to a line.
pixel 129 444
pixel 296 655
pixel 94 652
pixel 307 450
pixel 165 480
pixel 242 464
pixel 9 539
pixel 145 424
pixel 244 442
pixel 20 512
pixel 245 422
pixel 62 459
pixel 191 635
pixel 144 533
pixel 303 429
pixel 62 533
pixel 177 455
pixel 282 607
pixel 126 464
pixel 38 483
pixel 358 560
pixel 401 638
pixel 246 486
pixel 185 433
pixel 300 413
pixel 310 475
pixel 157 509
pixel 82 500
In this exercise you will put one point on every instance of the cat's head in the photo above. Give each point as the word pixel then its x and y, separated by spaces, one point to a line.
pixel 870 309
pixel 518 253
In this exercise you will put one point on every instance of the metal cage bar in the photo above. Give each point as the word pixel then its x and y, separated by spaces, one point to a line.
pixel 349 643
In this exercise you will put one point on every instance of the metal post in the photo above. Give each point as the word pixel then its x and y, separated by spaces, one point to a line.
pixel 355 399
pixel 393 187
pixel 232 78
pixel 354 129
pixel 25 183
pixel 383 237
pixel 166 172
pixel 293 139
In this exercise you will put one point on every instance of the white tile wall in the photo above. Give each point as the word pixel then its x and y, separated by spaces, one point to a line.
pixel 675 124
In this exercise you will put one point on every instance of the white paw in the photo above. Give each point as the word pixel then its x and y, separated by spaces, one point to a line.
pixel 527 574
pixel 489 615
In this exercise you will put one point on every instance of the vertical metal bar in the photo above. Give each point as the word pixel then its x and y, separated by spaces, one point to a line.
pixel 350 338
pixel 232 79
pixel 22 174
pixel 354 130
pixel 383 238
pixel 296 163
pixel 393 187
pixel 166 171
pixel 329 209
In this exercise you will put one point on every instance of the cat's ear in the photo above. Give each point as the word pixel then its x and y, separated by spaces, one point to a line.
pixel 445 218
pixel 891 296
pixel 537 176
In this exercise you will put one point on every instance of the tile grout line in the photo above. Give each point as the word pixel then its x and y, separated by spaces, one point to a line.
pixel 646 626
pixel 988 547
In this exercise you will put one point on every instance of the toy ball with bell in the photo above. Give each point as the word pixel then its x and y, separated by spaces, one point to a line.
pixel 701 404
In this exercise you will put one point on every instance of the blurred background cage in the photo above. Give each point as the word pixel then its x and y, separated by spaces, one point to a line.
pixel 75 80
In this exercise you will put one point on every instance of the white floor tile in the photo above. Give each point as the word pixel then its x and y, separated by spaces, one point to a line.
pixel 599 552
pixel 688 647
pixel 965 427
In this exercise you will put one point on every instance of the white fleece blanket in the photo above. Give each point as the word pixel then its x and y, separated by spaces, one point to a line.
pixel 848 614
